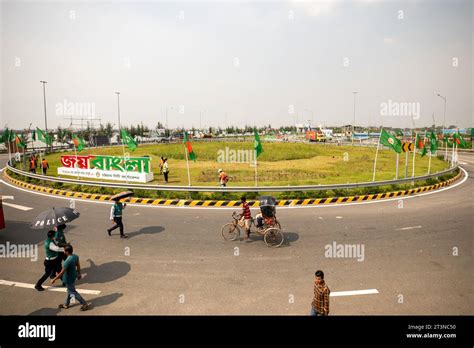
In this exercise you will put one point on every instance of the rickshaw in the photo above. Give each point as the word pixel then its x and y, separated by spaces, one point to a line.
pixel 265 224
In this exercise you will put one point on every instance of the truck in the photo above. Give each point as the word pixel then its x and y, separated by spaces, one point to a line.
pixel 315 136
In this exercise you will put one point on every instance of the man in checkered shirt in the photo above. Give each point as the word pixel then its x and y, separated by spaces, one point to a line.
pixel 320 304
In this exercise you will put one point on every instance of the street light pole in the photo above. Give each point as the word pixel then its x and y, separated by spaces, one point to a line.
pixel 354 118
pixel 44 103
pixel 118 109
pixel 312 117
pixel 444 126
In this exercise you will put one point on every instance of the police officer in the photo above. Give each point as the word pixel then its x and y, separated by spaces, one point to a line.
pixel 51 260
pixel 116 216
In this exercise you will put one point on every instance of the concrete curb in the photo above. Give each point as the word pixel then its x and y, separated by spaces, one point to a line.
pixel 215 203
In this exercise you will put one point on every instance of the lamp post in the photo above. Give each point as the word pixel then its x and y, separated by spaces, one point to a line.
pixel 44 104
pixel 312 117
pixel 354 118
pixel 118 109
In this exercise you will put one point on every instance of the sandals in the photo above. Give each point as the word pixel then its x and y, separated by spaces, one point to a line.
pixel 63 306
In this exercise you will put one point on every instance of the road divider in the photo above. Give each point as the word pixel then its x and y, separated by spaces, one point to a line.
pixel 231 203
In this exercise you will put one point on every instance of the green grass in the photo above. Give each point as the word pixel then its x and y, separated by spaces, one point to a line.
pixel 280 163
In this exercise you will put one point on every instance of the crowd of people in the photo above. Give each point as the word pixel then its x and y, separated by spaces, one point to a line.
pixel 33 164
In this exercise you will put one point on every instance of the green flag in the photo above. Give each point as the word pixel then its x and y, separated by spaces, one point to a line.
pixel 79 143
pixel 43 137
pixel 433 143
pixel 399 133
pixel 189 148
pixel 257 143
pixel 5 136
pixel 459 141
pixel 128 140
pixel 391 141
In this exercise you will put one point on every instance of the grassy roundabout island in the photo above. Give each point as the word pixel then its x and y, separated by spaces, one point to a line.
pixel 280 164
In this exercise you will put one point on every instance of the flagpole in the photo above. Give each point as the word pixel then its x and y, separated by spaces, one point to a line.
pixel 396 167
pixel 9 154
pixel 429 162
pixel 414 157
pixel 187 165
pixel 455 153
pixel 406 163
pixel 256 173
pixel 75 164
pixel 124 158
pixel 376 154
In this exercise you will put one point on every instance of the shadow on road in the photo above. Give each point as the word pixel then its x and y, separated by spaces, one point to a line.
pixel 19 232
pixel 95 302
pixel 146 230
pixel 104 300
pixel 105 272
pixel 46 311
pixel 290 237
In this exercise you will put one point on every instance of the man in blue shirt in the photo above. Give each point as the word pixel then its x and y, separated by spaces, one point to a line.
pixel 70 272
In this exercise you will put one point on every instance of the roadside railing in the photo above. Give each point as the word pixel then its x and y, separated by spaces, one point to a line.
pixel 227 189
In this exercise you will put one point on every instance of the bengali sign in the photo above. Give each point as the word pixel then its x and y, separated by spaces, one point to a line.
pixel 107 167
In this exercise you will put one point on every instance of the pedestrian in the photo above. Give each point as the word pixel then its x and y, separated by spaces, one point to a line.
pixel 223 178
pixel 51 260
pixel 44 166
pixel 165 169
pixel 116 216
pixel 246 217
pixel 60 240
pixel 71 271
pixel 320 304
pixel 161 164
pixel 32 165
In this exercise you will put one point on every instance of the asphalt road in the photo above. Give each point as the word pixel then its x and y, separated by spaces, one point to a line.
pixel 176 262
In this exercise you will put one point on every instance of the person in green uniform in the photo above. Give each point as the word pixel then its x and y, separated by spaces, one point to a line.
pixel 116 216
pixel 51 260
pixel 60 240
pixel 70 272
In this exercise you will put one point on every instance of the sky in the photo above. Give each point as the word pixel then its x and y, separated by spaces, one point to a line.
pixel 225 63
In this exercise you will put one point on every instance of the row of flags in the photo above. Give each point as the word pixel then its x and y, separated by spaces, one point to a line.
pixel 395 144
pixel 38 134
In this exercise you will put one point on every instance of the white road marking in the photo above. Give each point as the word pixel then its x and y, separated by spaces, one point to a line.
pixel 338 217
pixel 49 288
pixel 234 208
pixel 16 206
pixel 7 197
pixel 353 292
pixel 408 228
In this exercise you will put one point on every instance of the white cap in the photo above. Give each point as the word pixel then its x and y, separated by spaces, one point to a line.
pixel 220 170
